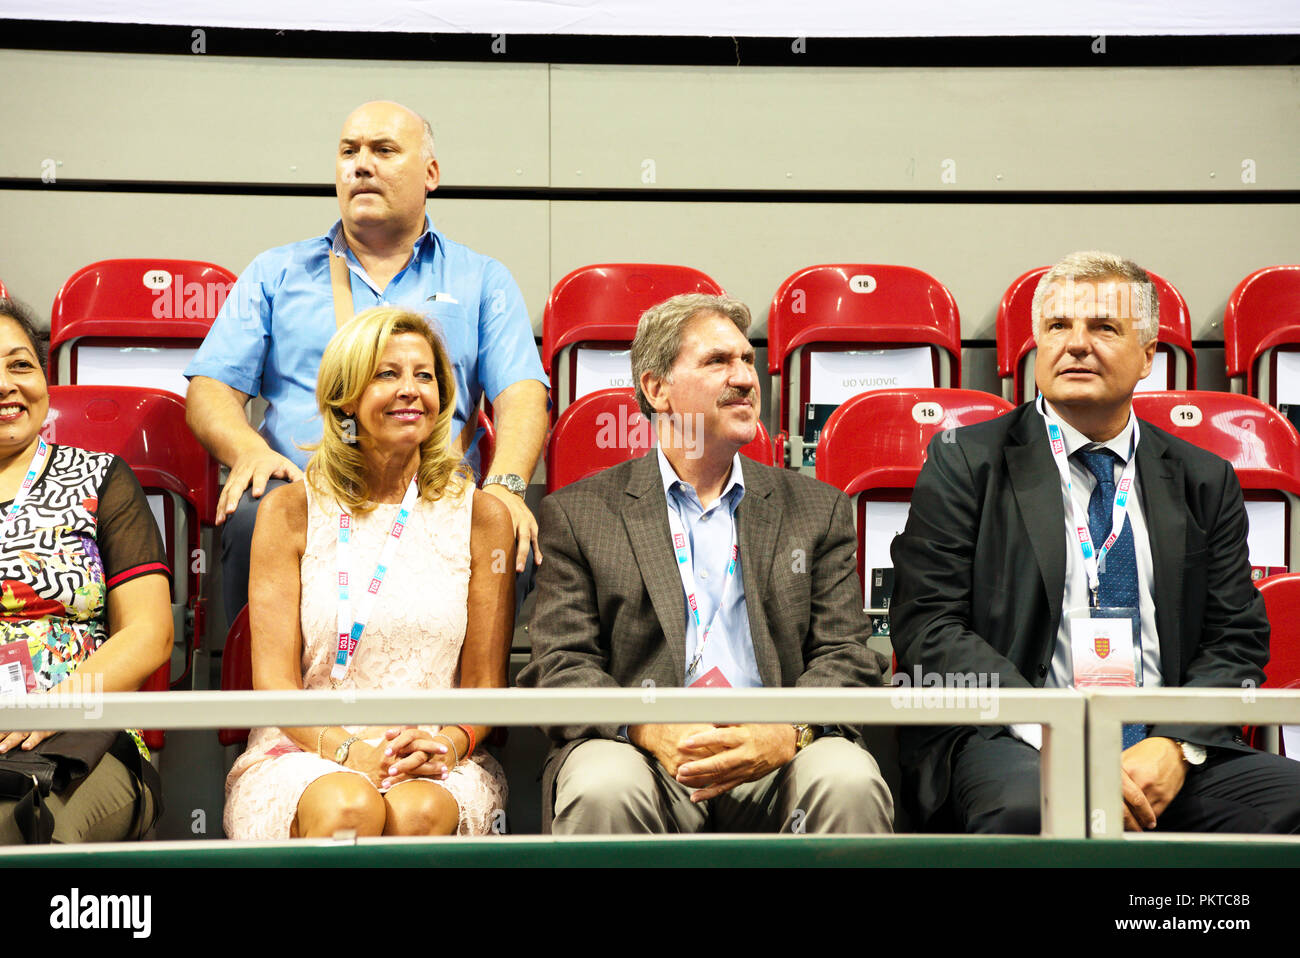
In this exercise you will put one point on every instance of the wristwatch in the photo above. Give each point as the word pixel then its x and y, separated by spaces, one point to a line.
pixel 803 737
pixel 1193 754
pixel 341 753
pixel 512 482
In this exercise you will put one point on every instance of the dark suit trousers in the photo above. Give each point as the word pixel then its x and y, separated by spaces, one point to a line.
pixel 995 790
pixel 236 544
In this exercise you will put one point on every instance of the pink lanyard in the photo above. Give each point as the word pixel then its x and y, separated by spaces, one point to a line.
pixel 350 630
pixel 1119 509
pixel 686 567
pixel 38 462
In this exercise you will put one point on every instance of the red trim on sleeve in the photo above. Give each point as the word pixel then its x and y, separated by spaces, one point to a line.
pixel 139 570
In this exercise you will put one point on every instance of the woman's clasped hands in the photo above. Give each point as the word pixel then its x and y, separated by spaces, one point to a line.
pixel 407 752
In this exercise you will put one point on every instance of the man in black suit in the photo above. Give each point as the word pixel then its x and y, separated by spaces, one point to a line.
pixel 1011 566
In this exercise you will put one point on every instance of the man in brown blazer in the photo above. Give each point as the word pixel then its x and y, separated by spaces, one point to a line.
pixel 693 567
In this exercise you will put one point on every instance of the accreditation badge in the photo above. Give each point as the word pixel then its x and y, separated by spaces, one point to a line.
pixel 1102 646
pixel 712 679
pixel 17 676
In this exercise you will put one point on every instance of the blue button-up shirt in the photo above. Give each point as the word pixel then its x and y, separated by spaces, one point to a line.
pixel 272 331
pixel 708 540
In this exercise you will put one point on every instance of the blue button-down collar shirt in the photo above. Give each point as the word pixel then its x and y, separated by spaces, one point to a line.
pixel 272 331
pixel 709 532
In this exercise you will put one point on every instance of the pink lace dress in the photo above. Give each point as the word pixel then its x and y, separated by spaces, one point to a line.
pixel 412 641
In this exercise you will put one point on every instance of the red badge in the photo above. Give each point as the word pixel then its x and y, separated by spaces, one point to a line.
pixel 712 679
pixel 1101 646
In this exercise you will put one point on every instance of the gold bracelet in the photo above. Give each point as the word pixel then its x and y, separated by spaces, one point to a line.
pixel 320 741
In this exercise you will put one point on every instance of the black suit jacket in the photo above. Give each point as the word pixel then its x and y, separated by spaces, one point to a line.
pixel 980 575
pixel 611 612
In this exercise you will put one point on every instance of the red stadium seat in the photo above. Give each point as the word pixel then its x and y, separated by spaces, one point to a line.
pixel 843 308
pixel 236 671
pixel 605 428
pixel 146 427
pixel 873 447
pixel 1015 332
pixel 487 444
pixel 1282 600
pixel 1262 318
pixel 878 440
pixel 597 307
pixel 1261 444
pixel 119 320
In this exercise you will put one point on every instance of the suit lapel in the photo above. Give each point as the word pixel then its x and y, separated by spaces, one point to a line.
pixel 757 523
pixel 1037 486
pixel 1165 508
pixel 645 515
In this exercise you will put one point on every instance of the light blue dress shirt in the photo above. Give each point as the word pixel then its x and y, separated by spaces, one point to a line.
pixel 708 540
pixel 272 331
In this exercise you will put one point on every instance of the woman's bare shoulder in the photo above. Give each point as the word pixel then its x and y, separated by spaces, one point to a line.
pixel 490 517
pixel 284 512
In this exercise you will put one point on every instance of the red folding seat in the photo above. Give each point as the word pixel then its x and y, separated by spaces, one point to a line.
pixel 237 671
pixel 127 321
pixel 605 428
pixel 872 448
pixel 1282 600
pixel 146 427
pixel 487 443
pixel 827 327
pixel 1264 449
pixel 1260 324
pixel 590 321
pixel 1015 334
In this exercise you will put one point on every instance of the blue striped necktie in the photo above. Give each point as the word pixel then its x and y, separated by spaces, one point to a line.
pixel 1118 586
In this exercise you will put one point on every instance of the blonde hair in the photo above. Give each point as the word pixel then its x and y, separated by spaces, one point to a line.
pixel 337 468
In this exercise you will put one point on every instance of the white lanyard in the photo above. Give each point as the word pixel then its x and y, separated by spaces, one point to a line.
pixel 686 567
pixel 38 462
pixel 350 630
pixel 1118 511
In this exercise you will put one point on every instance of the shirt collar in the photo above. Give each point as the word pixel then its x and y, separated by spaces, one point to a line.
pixel 339 246
pixel 1121 444
pixel 668 475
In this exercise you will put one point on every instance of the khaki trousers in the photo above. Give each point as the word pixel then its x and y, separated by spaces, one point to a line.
pixel 606 787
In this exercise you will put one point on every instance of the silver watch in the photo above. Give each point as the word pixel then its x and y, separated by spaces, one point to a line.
pixel 512 482
pixel 1193 754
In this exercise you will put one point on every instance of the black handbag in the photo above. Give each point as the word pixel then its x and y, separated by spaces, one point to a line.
pixel 58 766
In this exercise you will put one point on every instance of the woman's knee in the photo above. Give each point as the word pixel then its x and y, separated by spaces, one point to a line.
pixel 340 802
pixel 421 808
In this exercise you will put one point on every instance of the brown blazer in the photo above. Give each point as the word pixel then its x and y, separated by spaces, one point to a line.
pixel 611 611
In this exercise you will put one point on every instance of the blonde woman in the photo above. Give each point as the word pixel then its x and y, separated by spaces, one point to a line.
pixel 383 500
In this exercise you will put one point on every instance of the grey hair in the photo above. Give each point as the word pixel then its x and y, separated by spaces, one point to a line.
pixel 426 145
pixel 1095 264
pixel 659 335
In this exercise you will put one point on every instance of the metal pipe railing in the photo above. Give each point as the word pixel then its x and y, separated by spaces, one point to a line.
pixel 1060 711
pixel 1109 709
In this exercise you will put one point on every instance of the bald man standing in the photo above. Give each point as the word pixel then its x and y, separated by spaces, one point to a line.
pixel 271 333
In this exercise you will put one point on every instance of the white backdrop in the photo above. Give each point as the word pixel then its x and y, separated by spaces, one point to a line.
pixel 775 18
